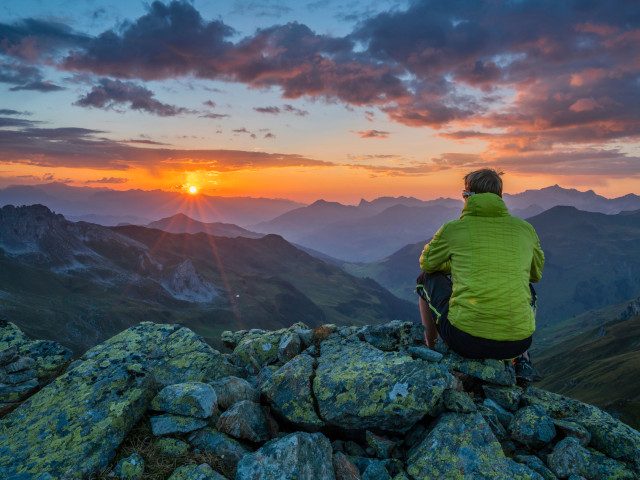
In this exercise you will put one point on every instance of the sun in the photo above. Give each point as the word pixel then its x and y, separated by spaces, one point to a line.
pixel 192 189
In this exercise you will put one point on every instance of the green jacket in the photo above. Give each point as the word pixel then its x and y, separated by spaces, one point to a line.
pixel 492 257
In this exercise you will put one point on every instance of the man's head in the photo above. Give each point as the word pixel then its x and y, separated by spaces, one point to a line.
pixel 485 180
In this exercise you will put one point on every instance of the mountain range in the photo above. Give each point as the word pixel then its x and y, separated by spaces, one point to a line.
pixel 79 283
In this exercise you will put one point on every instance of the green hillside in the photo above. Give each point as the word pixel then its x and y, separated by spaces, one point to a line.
pixel 599 366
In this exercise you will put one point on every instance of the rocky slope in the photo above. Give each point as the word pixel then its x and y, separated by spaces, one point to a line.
pixel 332 403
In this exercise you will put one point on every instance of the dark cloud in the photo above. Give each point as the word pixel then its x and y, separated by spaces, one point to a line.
pixel 285 108
pixel 373 134
pixel 25 77
pixel 109 180
pixel 260 8
pixel 85 148
pixel 9 111
pixel 269 135
pixel 209 103
pixel 110 94
pixel 272 110
pixel 15 122
pixel 32 38
pixel 214 115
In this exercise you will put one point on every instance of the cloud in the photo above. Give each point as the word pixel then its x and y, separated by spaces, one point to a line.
pixel 373 134
pixel 9 111
pixel 214 115
pixel 109 180
pixel 85 148
pixel 262 8
pixel 15 122
pixel 110 94
pixel 25 77
pixel 30 38
pixel 285 108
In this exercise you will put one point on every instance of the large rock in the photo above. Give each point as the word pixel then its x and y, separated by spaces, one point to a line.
pixel 289 393
pixel 169 424
pixel 225 450
pixel 245 420
pixel 570 458
pixel 72 427
pixel 195 472
pixel 497 372
pixel 462 446
pixel 230 390
pixel 358 386
pixel 608 435
pixel 256 348
pixel 532 427
pixel 195 399
pixel 298 456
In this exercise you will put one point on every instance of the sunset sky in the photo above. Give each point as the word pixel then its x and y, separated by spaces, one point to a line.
pixel 320 98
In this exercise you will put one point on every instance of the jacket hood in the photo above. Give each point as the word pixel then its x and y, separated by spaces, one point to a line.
pixel 485 205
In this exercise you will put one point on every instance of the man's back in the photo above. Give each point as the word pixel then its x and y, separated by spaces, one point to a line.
pixel 492 257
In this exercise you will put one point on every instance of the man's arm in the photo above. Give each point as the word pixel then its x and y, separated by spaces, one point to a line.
pixel 537 262
pixel 436 256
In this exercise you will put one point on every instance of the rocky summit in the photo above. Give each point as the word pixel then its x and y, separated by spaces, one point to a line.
pixel 330 403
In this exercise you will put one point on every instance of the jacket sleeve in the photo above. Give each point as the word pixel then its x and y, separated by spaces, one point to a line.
pixel 436 256
pixel 537 262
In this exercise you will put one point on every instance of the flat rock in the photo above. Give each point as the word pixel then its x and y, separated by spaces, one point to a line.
pixel 608 435
pixel 570 458
pixel 245 420
pixel 358 386
pixel 195 472
pixel 462 446
pixel 130 468
pixel 226 451
pixel 297 456
pixel 532 427
pixel 169 424
pixel 392 335
pixel 425 353
pixel 194 399
pixel 507 397
pixel 230 390
pixel 289 393
pixel 496 372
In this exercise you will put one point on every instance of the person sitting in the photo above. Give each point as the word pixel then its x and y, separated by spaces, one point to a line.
pixel 476 287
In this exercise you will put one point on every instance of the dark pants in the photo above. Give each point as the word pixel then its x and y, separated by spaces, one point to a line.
pixel 435 289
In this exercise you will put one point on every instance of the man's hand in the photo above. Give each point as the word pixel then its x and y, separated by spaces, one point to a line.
pixel 430 340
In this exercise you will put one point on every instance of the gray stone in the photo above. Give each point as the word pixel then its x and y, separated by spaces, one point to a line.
pixel 297 456
pixel 169 424
pixel 195 472
pixel 357 386
pixel 425 353
pixel 537 465
pixel 194 399
pixel 382 447
pixel 376 471
pixel 462 446
pixel 497 372
pixel 571 458
pixel 343 467
pixel 573 429
pixel 245 420
pixel 532 427
pixel 504 416
pixel 230 390
pixel 171 447
pixel 130 468
pixel 226 451
pixel 391 336
pixel 289 346
pixel 457 401
pixel 289 393
pixel 507 397
pixel 20 364
pixel 8 355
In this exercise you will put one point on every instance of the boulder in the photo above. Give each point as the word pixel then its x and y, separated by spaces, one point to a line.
pixel 457 401
pixel 382 447
pixel 391 336
pixel 570 458
pixel 289 393
pixel 504 416
pixel 289 346
pixel 169 424
pixel 171 447
pixel 195 472
pixel 532 427
pixel 245 420
pixel 257 348
pixel 497 372
pixel 376 471
pixel 425 353
pixel 230 390
pixel 573 429
pixel 608 435
pixel 358 386
pixel 297 456
pixel 537 465
pixel 226 451
pixel 462 446
pixel 344 469
pixel 195 399
pixel 507 397
pixel 129 468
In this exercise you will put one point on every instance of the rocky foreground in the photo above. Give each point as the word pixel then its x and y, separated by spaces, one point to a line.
pixel 344 403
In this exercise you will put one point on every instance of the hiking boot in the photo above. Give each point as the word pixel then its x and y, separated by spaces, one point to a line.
pixel 525 373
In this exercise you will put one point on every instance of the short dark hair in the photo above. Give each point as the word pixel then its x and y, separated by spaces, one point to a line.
pixel 485 180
